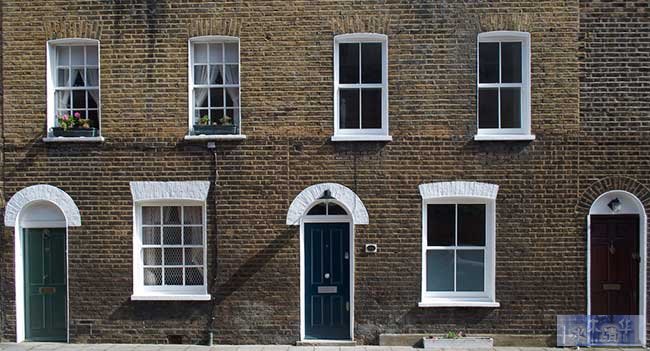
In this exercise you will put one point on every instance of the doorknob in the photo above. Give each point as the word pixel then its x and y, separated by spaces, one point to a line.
pixel 327 275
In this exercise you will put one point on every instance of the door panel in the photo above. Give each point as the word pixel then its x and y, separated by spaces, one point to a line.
pixel 327 281
pixel 45 285
pixel 614 264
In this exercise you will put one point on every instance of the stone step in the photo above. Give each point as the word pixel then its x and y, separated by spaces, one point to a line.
pixel 326 343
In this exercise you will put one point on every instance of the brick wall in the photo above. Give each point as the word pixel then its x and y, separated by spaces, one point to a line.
pixel 286 73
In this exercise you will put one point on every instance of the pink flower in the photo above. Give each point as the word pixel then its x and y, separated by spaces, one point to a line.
pixel 77 114
pixel 65 117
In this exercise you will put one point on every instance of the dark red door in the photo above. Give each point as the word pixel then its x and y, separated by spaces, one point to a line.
pixel 615 264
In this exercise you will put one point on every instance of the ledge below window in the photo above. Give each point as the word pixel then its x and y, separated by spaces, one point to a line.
pixel 362 137
pixel 504 137
pixel 215 137
pixel 457 303
pixel 171 297
pixel 53 139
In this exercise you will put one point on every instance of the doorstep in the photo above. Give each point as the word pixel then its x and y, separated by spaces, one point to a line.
pixel 317 342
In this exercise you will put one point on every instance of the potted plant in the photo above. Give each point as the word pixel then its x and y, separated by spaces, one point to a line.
pixel 73 126
pixel 457 340
pixel 223 125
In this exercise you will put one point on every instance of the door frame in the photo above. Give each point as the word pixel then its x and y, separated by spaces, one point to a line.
pixel 325 219
pixel 631 205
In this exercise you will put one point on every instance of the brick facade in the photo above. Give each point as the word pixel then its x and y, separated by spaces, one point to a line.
pixel 589 114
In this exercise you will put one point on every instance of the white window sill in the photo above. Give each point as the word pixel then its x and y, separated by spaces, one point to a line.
pixel 170 297
pixel 457 303
pixel 215 137
pixel 98 139
pixel 504 137
pixel 362 137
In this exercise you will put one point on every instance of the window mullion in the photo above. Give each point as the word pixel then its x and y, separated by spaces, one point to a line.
pixel 162 250
pixel 360 90
pixel 499 89
pixel 455 243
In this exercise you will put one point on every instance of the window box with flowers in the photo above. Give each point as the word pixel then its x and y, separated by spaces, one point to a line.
pixel 74 126
pixel 219 126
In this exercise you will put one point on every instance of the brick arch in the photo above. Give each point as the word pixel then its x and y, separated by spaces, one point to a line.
pixel 601 186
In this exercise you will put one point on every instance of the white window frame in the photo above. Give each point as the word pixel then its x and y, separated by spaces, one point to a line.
pixel 161 293
pixel 211 39
pixel 523 133
pixel 485 298
pixel 367 134
pixel 51 65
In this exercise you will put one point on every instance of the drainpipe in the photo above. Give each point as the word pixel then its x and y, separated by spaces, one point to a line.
pixel 213 147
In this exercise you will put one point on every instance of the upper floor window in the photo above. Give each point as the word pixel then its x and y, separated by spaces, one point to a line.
pixel 214 86
pixel 73 93
pixel 361 87
pixel 504 86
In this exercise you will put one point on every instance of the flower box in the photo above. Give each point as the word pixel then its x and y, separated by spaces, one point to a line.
pixel 458 343
pixel 211 129
pixel 74 132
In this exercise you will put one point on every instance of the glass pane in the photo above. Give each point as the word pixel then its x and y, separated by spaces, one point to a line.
pixel 216 97
pixel 441 224
pixel 471 224
pixel 230 117
pixel 371 63
pixel 173 256
pixel 150 215
pixel 153 276
pixel 319 209
pixel 510 62
pixel 232 97
pixel 200 74
pixel 510 107
pixel 172 235
pixel 216 74
pixel 77 55
pixel 62 77
pixel 216 116
pixel 193 214
pixel 371 108
pixel 92 77
pixel 193 236
pixel 440 270
pixel 488 62
pixel 200 53
pixel 470 270
pixel 232 74
pixel 173 276
pixel 78 99
pixel 232 52
pixel 193 276
pixel 62 57
pixel 334 209
pixel 93 116
pixel 349 108
pixel 194 257
pixel 171 215
pixel 78 77
pixel 348 63
pixel 152 257
pixel 201 97
pixel 91 55
pixel 91 98
pixel 63 99
pixel 199 114
pixel 151 235
pixel 488 108
pixel 216 53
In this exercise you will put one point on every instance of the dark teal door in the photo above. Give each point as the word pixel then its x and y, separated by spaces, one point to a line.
pixel 45 285
pixel 327 281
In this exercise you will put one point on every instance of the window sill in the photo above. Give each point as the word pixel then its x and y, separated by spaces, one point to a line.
pixel 98 139
pixel 458 303
pixel 222 137
pixel 504 137
pixel 362 137
pixel 170 297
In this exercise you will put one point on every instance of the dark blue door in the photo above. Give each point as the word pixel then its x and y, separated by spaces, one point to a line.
pixel 327 281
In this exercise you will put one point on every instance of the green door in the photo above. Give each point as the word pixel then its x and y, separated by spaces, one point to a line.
pixel 45 285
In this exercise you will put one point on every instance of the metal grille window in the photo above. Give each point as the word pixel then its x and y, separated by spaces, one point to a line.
pixel 173 246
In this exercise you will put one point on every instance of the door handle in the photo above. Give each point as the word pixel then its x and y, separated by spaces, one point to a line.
pixel 327 275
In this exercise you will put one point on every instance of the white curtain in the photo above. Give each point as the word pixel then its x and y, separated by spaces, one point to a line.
pixel 92 79
pixel 201 75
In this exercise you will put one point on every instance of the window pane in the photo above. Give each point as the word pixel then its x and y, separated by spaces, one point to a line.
pixel 171 235
pixel 511 62
pixel 78 77
pixel 371 108
pixel 231 116
pixel 216 116
pixel 232 97
pixel 77 55
pixel 150 215
pixel 62 77
pixel 193 236
pixel 232 74
pixel 193 214
pixel 470 270
pixel 200 74
pixel 216 53
pixel 92 103
pixel 193 276
pixel 151 235
pixel 153 276
pixel 441 224
pixel 471 225
pixel 371 63
pixel 91 56
pixel 194 257
pixel 334 209
pixel 63 99
pixel 216 74
pixel 216 97
pixel 62 55
pixel 92 77
pixel 93 116
pixel 152 257
pixel 232 52
pixel 201 97
pixel 173 256
pixel 488 62
pixel 200 53
pixel 174 276
pixel 78 99
pixel 348 63
pixel 510 107
pixel 440 270
pixel 319 209
pixel 349 108
pixel 171 215
pixel 488 108
pixel 198 114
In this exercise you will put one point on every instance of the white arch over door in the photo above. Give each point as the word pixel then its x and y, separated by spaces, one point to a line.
pixel 37 206
pixel 620 202
pixel 341 193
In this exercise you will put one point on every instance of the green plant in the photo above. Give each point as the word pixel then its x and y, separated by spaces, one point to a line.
pixel 67 122
pixel 225 120
pixel 205 120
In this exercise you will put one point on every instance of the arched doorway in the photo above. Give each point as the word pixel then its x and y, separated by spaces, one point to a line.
pixel 327 214
pixel 41 215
